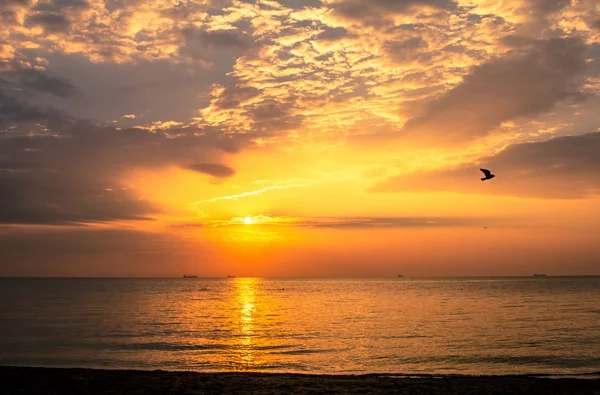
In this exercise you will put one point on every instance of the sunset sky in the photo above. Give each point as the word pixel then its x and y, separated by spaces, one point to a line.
pixel 299 137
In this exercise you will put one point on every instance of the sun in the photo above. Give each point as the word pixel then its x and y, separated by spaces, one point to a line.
pixel 247 220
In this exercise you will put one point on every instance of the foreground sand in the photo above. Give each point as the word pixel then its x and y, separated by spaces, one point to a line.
pixel 41 381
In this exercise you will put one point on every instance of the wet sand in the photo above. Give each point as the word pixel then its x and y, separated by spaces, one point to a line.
pixel 41 381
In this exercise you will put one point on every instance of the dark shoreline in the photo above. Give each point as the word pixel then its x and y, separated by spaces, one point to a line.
pixel 42 381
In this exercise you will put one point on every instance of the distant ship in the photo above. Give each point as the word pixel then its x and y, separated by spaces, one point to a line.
pixel 539 275
pixel 400 275
pixel 189 276
pixel 229 276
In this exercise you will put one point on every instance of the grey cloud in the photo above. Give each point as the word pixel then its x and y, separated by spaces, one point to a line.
pixel 43 83
pixel 406 51
pixel 13 110
pixel 561 168
pixel 68 241
pixel 386 222
pixel 233 96
pixel 376 11
pixel 49 199
pixel 51 22
pixel 523 84
pixel 67 251
pixel 213 169
pixel 196 41
pixel 332 33
pixel 271 116
pixel 4 4
pixel 297 4
pixel 8 18
pixel 548 6
pixel 68 171
pixel 62 5
pixel 29 80
pixel 223 39
pixel 354 222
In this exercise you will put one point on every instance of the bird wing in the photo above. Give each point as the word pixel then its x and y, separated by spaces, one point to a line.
pixel 486 172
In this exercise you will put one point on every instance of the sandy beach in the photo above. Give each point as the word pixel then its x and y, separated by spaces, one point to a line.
pixel 41 381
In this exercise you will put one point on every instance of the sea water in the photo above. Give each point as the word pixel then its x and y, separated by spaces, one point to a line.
pixel 509 325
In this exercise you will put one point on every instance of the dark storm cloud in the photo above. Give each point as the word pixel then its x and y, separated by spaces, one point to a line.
pixel 524 84
pixel 213 169
pixel 67 171
pixel 564 167
pixel 376 11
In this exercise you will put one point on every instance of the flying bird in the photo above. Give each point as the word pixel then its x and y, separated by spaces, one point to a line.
pixel 488 174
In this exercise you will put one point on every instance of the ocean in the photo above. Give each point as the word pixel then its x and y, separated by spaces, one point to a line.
pixel 476 325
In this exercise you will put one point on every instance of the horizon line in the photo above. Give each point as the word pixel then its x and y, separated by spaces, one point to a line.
pixel 304 277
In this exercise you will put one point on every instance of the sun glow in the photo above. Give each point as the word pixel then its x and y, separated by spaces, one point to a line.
pixel 247 220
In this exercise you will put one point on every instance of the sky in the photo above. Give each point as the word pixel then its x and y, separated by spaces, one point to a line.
pixel 299 137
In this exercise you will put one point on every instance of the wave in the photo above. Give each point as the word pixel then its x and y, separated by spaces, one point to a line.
pixel 164 346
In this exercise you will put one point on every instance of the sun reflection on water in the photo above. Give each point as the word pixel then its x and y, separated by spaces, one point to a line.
pixel 245 298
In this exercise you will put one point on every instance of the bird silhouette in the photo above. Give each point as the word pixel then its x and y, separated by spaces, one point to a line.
pixel 488 174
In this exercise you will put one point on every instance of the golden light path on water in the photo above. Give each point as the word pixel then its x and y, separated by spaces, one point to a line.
pixel 245 291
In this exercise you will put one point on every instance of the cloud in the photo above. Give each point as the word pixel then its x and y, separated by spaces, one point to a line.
pixel 76 241
pixel 384 222
pixel 50 22
pixel 197 42
pixel 55 201
pixel 223 39
pixel 332 33
pixel 548 6
pixel 522 84
pixel 560 168
pixel 342 222
pixel 86 251
pixel 246 194
pixel 213 169
pixel 59 170
pixel 43 83
pixel 13 110
pixel 30 78
pixel 8 3
pixel 409 50
pixel 376 11
pixel 233 96
pixel 271 116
